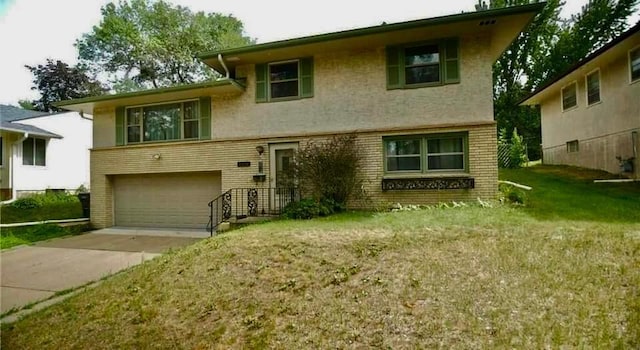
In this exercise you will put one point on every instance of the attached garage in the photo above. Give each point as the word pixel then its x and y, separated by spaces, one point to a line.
pixel 173 200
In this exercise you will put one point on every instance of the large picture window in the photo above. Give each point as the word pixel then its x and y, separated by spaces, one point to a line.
pixel 171 121
pixel 426 153
pixel 34 151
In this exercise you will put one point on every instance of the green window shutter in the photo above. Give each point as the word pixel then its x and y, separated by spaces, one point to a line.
pixel 451 61
pixel 205 118
pixel 261 82
pixel 394 67
pixel 119 126
pixel 306 77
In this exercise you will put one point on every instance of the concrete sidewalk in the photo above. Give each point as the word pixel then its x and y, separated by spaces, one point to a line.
pixel 33 273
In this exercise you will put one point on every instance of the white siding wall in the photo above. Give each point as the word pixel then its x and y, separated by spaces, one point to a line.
pixel 67 162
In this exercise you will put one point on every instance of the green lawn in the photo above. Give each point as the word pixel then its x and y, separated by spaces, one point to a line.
pixel 14 236
pixel 473 277
pixel 568 193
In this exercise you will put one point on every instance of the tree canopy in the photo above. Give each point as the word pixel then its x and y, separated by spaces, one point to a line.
pixel 57 81
pixel 145 43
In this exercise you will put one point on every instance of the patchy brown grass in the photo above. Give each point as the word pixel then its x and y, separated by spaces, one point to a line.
pixel 453 278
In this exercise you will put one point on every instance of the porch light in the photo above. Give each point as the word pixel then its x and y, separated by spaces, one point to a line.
pixel 157 156
pixel 260 150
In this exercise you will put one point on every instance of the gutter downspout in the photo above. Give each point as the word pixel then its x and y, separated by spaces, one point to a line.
pixel 223 66
pixel 14 192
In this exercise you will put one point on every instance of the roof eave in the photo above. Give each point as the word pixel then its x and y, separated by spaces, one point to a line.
pixel 533 98
pixel 210 58
pixel 81 104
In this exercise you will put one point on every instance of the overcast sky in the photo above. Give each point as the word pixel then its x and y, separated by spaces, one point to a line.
pixel 34 30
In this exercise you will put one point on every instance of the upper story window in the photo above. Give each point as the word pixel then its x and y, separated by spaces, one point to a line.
pixel 286 80
pixel 34 151
pixel 184 120
pixel 634 64
pixel 593 87
pixel 426 153
pixel 569 97
pixel 419 65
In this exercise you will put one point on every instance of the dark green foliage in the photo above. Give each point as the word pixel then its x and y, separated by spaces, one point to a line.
pixel 512 194
pixel 145 43
pixel 310 208
pixel 42 207
pixel 329 170
pixel 57 81
pixel 517 153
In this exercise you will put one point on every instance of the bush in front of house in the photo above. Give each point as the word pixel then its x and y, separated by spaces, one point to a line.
pixel 512 194
pixel 310 208
pixel 328 171
pixel 39 200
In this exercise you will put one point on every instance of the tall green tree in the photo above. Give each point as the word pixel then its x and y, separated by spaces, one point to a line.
pixel 57 81
pixel 147 43
pixel 548 47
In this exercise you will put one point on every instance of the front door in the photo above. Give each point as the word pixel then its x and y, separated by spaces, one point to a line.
pixel 281 168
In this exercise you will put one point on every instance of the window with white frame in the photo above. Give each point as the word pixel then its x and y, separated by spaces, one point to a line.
pixel 593 87
pixel 34 151
pixel 426 153
pixel 634 64
pixel 169 121
pixel 569 96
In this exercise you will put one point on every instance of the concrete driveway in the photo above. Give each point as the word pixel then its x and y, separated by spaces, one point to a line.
pixel 33 273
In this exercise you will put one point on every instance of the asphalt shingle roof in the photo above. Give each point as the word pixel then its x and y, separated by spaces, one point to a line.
pixel 22 128
pixel 12 113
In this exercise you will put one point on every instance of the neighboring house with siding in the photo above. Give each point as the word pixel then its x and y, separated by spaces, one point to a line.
pixel 417 95
pixel 591 113
pixel 42 151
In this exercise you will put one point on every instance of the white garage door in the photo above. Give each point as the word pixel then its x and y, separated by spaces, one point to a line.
pixel 176 200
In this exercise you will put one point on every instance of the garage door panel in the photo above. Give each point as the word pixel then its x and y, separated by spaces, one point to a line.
pixel 177 200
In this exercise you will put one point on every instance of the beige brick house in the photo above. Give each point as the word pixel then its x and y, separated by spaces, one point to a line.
pixel 417 95
pixel 591 112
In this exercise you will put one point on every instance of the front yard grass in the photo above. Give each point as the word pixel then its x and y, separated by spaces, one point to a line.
pixel 14 236
pixel 470 277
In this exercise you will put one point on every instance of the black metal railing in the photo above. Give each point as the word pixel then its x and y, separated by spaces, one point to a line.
pixel 240 203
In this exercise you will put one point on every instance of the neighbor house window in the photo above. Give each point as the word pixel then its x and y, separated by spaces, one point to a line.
pixel 34 151
pixel 572 146
pixel 284 80
pixel 593 87
pixel 634 64
pixel 426 153
pixel 171 121
pixel 424 64
pixel 569 97
pixel 1 151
